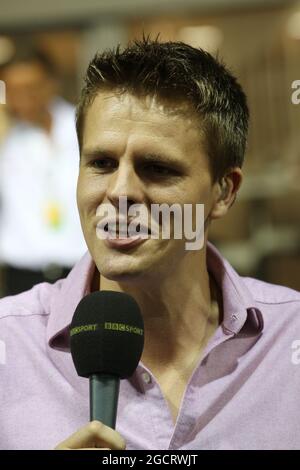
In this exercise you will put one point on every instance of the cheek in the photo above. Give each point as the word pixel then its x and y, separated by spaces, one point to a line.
pixel 89 195
pixel 80 193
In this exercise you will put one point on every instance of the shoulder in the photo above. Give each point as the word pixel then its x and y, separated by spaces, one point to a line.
pixel 34 302
pixel 266 293
pixel 64 130
pixel 62 109
pixel 19 131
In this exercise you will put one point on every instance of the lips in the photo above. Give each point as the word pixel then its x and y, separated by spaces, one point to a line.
pixel 122 243
pixel 115 234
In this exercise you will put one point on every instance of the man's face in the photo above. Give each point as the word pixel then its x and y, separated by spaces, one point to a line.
pixel 29 90
pixel 135 147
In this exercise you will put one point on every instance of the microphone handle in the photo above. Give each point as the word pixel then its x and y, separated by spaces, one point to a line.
pixel 104 395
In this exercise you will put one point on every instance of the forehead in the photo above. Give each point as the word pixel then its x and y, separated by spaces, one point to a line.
pixel 114 115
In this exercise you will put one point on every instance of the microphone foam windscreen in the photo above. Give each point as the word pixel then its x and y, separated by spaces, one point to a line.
pixel 107 334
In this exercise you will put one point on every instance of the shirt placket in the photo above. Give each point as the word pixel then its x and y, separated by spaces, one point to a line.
pixel 158 409
pixel 187 417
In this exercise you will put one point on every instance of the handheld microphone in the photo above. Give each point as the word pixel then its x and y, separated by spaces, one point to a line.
pixel 107 340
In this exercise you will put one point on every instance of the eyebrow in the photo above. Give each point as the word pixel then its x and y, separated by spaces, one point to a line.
pixel 163 158
pixel 96 152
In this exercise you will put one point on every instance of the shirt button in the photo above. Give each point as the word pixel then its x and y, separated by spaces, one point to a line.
pixel 146 378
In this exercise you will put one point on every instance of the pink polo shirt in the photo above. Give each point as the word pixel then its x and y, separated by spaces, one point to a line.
pixel 244 393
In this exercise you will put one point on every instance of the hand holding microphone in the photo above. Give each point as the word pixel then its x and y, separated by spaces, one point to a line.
pixel 93 436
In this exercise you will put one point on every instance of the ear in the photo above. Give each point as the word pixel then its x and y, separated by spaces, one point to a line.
pixel 225 191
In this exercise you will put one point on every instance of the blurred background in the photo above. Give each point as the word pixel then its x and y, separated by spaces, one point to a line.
pixel 260 42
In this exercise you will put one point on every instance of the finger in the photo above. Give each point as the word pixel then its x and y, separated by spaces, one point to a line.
pixel 94 435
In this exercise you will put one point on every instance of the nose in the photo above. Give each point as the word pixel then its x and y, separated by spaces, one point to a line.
pixel 126 183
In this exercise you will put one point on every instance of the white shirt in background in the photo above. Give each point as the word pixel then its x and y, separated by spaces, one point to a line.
pixel 38 175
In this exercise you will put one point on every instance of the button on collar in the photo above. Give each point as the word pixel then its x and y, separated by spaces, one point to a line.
pixel 146 378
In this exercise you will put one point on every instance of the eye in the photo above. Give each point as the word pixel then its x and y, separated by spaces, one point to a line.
pixel 103 163
pixel 160 170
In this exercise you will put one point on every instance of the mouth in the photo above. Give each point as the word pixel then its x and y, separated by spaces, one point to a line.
pixel 121 231
pixel 122 236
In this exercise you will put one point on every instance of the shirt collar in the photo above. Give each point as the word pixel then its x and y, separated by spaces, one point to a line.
pixel 241 314
pixel 64 302
pixel 239 307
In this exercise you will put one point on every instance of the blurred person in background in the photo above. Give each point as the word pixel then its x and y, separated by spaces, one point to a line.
pixel 40 235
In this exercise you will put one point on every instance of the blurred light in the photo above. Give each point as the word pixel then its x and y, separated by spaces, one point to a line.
pixel 207 37
pixel 7 49
pixel 293 25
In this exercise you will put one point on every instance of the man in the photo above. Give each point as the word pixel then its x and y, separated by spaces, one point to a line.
pixel 40 235
pixel 158 123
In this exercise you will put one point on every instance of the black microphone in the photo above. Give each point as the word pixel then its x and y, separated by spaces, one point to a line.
pixel 107 340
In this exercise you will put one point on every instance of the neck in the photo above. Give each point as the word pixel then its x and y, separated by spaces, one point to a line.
pixel 179 312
